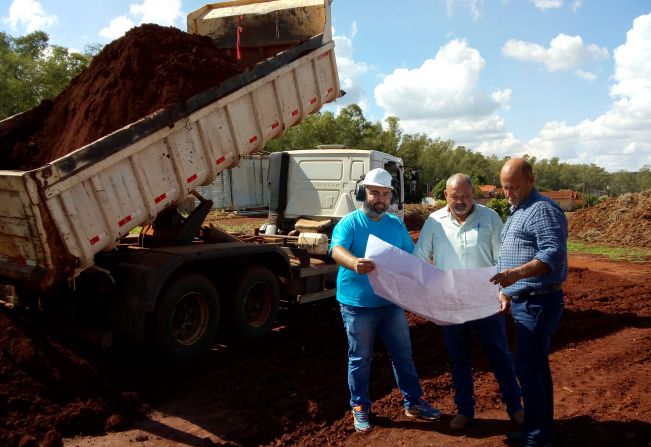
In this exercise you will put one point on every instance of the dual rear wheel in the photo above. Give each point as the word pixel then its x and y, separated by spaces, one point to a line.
pixel 190 310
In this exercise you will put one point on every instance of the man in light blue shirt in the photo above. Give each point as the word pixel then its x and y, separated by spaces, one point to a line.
pixel 466 235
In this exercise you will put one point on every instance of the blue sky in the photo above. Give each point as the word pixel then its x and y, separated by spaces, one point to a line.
pixel 551 78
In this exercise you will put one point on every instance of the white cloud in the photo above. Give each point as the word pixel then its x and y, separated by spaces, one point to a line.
pixel 161 12
pixel 474 6
pixel 30 15
pixel 620 138
pixel 350 71
pixel 588 76
pixel 353 30
pixel 117 28
pixel 576 5
pixel 547 4
pixel 564 52
pixel 441 98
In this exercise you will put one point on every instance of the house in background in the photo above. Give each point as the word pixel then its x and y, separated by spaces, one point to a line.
pixel 488 192
pixel 567 199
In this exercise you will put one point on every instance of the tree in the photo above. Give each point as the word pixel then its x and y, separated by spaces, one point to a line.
pixel 31 70
pixel 501 206
pixel 644 178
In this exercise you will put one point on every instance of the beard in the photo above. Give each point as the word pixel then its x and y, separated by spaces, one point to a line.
pixel 461 208
pixel 375 210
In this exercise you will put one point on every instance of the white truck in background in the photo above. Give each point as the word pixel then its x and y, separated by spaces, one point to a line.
pixel 65 243
pixel 314 188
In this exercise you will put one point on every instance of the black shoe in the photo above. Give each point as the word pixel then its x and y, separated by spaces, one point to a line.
pixel 521 437
pixel 516 436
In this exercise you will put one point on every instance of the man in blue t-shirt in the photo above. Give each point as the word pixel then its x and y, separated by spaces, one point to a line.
pixel 365 314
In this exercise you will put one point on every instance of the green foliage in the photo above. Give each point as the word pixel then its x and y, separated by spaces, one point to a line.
pixel 501 206
pixel 626 254
pixel 437 159
pixel 439 189
pixel 31 70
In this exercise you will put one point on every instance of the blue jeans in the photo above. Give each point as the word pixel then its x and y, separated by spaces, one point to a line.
pixel 363 325
pixel 536 319
pixel 491 332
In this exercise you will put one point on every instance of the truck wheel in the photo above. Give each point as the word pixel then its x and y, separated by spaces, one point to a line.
pixel 187 317
pixel 254 303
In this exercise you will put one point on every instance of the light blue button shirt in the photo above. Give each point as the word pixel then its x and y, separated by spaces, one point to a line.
pixel 451 245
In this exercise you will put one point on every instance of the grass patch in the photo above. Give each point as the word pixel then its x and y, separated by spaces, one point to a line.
pixel 628 254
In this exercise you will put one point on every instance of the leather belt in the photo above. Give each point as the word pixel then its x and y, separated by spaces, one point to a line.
pixel 543 291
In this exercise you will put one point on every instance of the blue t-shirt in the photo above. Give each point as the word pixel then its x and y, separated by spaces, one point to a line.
pixel 352 234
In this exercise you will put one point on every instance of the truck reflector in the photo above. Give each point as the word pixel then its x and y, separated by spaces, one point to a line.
pixel 125 220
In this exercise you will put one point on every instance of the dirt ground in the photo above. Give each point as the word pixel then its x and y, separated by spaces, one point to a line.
pixel 289 388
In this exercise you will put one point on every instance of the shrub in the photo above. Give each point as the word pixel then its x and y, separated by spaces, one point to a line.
pixel 501 206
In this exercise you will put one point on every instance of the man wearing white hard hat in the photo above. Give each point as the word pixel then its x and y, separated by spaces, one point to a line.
pixel 365 314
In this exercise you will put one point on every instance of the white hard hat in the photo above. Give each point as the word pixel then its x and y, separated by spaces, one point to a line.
pixel 378 177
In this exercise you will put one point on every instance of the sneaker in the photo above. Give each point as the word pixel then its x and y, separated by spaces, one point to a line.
pixel 360 419
pixel 424 410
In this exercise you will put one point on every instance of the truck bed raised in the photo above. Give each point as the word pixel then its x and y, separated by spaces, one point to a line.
pixel 53 220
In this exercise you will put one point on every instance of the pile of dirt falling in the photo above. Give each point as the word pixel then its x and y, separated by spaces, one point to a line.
pixel 149 68
pixel 623 220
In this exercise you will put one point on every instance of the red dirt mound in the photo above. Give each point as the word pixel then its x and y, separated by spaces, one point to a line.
pixel 289 388
pixel 623 220
pixel 415 215
pixel 149 68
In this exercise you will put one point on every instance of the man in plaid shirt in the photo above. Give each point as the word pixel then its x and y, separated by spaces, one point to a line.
pixel 532 266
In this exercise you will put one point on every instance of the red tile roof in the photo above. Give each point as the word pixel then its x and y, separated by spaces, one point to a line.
pixel 559 195
pixel 487 188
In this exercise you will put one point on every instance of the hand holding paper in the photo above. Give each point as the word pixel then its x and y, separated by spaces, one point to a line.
pixel 444 297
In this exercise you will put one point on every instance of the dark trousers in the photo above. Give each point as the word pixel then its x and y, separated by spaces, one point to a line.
pixel 491 332
pixel 536 318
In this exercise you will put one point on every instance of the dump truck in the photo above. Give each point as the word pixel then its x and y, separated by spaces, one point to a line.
pixel 66 241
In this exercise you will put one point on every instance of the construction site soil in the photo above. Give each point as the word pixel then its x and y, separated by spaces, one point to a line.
pixel 623 220
pixel 148 69
pixel 289 387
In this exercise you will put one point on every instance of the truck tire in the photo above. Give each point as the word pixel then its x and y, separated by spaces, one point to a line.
pixel 253 304
pixel 187 317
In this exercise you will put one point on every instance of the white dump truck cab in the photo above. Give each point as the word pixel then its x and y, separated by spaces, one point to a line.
pixel 317 187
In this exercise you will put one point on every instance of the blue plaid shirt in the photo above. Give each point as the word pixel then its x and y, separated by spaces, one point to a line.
pixel 535 229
